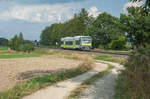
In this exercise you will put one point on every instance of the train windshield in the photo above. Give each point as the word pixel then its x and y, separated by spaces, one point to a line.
pixel 86 39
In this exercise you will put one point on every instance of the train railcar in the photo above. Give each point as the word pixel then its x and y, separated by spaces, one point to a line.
pixel 77 42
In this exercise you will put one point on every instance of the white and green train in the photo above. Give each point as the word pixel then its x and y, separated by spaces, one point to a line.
pixel 77 42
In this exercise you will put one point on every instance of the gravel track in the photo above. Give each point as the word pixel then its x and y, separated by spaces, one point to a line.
pixel 62 90
pixel 104 87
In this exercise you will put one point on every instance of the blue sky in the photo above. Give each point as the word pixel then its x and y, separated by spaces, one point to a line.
pixel 31 16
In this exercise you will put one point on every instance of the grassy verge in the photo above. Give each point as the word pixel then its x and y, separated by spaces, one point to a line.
pixel 134 81
pixel 110 58
pixel 18 55
pixel 75 94
pixel 115 51
pixel 120 90
pixel 3 48
pixel 5 54
pixel 28 87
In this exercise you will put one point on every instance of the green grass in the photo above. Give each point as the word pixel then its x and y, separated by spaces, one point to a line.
pixel 18 55
pixel 120 91
pixel 110 58
pixel 28 87
pixel 99 75
pixel 115 51
pixel 105 58
pixel 75 94
pixel 5 54
pixel 3 48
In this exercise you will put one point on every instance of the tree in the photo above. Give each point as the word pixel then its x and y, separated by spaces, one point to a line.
pixel 45 36
pixel 20 38
pixel 105 29
pixel 3 42
pixel 73 27
pixel 85 21
pixel 14 43
pixel 137 25
pixel 118 44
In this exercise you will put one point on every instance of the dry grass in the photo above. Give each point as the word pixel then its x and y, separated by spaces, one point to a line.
pixel 72 55
pixel 88 63
pixel 134 81
pixel 87 60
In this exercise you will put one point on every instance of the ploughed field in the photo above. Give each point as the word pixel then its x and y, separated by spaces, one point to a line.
pixel 21 69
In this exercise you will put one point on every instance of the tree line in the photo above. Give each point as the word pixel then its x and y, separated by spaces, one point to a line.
pixel 106 30
pixel 103 29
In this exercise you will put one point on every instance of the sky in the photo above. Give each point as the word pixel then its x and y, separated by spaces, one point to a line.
pixel 31 16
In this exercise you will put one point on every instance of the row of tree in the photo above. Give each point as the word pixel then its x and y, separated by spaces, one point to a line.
pixel 105 30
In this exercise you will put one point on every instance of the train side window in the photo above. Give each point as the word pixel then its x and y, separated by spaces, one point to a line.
pixel 69 42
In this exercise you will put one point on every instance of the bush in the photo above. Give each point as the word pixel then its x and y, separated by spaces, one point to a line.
pixel 118 44
pixel 134 81
pixel 101 47
pixel 17 43
pixel 128 46
pixel 26 48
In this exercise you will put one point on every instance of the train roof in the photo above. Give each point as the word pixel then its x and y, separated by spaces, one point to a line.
pixel 67 38
pixel 80 36
pixel 72 38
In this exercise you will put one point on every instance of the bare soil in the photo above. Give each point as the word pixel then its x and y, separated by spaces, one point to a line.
pixel 21 69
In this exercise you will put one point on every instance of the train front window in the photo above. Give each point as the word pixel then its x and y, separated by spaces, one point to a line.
pixel 62 42
pixel 86 40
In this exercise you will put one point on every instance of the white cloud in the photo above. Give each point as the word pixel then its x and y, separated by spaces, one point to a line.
pixel 94 11
pixel 38 13
pixel 132 4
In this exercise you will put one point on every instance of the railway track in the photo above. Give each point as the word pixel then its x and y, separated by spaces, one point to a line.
pixel 117 54
pixel 99 52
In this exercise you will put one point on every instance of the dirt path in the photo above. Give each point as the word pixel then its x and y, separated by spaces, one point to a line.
pixel 104 87
pixel 62 89
pixel 20 69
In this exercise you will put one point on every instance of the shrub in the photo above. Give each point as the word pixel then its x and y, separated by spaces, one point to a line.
pixel 26 48
pixel 134 81
pixel 17 43
pixel 101 47
pixel 128 46
pixel 118 44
